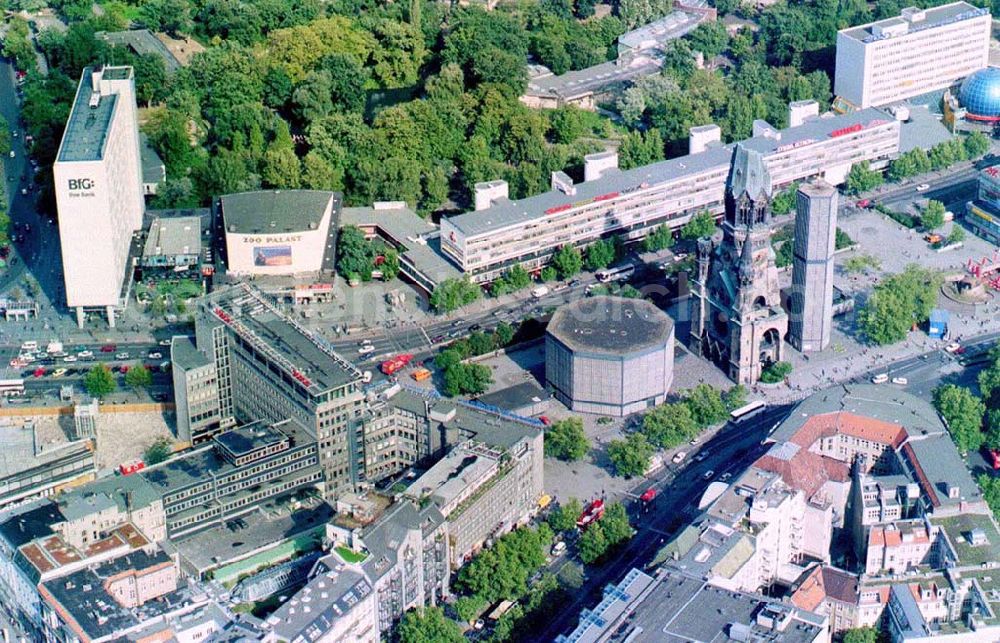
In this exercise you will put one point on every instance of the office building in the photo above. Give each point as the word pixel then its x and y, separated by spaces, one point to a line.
pixel 630 203
pixel 98 185
pixel 609 355
pixel 983 213
pixel 280 232
pixel 269 367
pixel 239 471
pixel 196 392
pixel 736 315
pixel 918 52
pixel 811 314
pixel 173 243
pixel 674 606
pixel 38 459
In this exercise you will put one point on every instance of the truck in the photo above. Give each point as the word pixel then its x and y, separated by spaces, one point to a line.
pixel 420 374
pixel 128 468
pixel 539 291
pixel 55 346
pixel 397 363
pixel 592 512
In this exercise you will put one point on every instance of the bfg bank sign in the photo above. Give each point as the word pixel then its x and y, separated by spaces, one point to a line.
pixel 79 188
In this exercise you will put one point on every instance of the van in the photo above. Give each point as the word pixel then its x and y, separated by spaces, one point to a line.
pixel 559 548
pixel 881 378
pixel 539 291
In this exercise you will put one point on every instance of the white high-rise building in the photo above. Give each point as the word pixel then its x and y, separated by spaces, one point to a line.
pixel 98 185
pixel 920 51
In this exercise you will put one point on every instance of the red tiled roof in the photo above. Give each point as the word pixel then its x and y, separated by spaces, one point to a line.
pixel 859 426
pixel 823 583
pixel 805 470
pixel 810 593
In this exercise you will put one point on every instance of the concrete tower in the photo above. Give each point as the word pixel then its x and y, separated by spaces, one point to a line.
pixel 736 315
pixel 811 302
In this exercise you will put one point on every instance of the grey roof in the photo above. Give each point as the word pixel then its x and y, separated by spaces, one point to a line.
pixel 574 84
pixel 83 596
pixel 309 354
pixel 248 438
pixel 106 492
pixel 184 354
pixel 934 17
pixel 517 396
pixel 382 539
pixel 678 608
pixel 87 127
pixel 141 41
pixel 673 25
pixel 277 211
pixel 923 130
pixel 29 522
pixel 328 596
pixel 748 174
pixel 173 236
pixel 153 169
pixel 507 214
pixel 610 325
pixel 915 415
pixel 943 468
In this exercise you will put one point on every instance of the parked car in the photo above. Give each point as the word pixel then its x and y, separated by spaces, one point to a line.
pixel 108 348
pixel 122 355
pixel 156 355
pixel 708 475
pixel 902 381
pixel 85 354
pixel 923 187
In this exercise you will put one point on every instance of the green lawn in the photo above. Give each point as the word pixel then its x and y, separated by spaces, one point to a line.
pixel 350 556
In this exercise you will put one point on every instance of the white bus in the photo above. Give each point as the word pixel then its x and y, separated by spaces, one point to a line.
pixel 620 273
pixel 11 387
pixel 747 411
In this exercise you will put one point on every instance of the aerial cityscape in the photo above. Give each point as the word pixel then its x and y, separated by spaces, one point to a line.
pixel 641 321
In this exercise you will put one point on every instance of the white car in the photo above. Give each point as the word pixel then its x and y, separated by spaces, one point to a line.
pixel 155 355
pixel 558 548
pixel 165 342
pixel 881 378
pixel 85 354
pixel 69 358
pixel 923 187
pixel 679 457
pixel 952 347
pixel 708 475
pixel 121 355
pixel 725 477
pixel 902 381
pixel 367 348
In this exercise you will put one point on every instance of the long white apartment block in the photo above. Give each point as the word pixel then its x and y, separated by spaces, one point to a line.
pixel 917 52
pixel 98 185
pixel 488 242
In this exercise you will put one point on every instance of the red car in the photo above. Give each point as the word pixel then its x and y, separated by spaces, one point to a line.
pixel 993 457
pixel 864 203
pixel 108 348
pixel 39 372
pixel 648 495
pixel 544 420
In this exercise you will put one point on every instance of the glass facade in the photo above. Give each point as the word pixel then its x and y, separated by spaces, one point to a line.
pixel 980 95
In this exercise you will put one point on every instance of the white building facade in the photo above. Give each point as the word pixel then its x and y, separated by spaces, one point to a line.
pixel 98 186
pixel 918 52
pixel 486 243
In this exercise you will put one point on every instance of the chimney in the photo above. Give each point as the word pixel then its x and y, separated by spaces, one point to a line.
pixel 800 111
pixel 765 129
pixel 562 182
pixel 488 192
pixel 595 165
pixel 701 137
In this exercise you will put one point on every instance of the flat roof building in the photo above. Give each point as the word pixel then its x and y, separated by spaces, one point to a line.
pixel 172 243
pixel 609 355
pixel 486 243
pixel 99 193
pixel 915 53
pixel 280 232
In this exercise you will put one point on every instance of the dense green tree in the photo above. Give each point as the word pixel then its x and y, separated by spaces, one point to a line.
pixel 660 238
pixel 735 397
pixel 631 456
pixel 861 635
pixel 281 169
pixel 452 294
pixel 989 381
pixel 710 38
pixel 990 485
pixel 99 382
pixel 976 145
pixel 669 425
pixel 565 440
pixel 955 235
pixel 592 544
pixel 138 377
pixel 355 255
pixel 158 451
pixel 469 607
pixel 932 217
pixel 428 625
pixel 502 571
pixel 707 407
pixel 600 254
pixel 320 174
pixel 605 534
pixel 638 149
pixel 700 225
pixel 992 438
pixel 862 178
pixel 481 343
pixel 567 261
pixel 899 302
pixel 504 334
pixel 564 517
pixel 467 379
pixel 963 413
